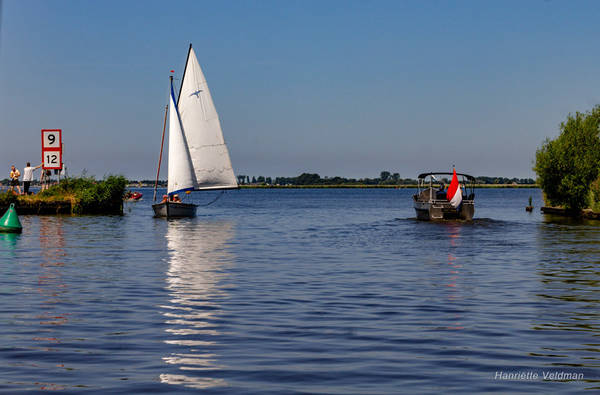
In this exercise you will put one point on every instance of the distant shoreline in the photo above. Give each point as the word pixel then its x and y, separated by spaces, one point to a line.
pixel 352 186
pixel 531 186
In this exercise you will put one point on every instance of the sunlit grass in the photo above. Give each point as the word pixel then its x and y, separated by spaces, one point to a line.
pixel 83 195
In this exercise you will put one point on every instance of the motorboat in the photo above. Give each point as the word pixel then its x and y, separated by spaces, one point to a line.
pixel 133 196
pixel 433 202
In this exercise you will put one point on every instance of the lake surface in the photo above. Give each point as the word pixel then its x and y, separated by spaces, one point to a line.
pixel 337 291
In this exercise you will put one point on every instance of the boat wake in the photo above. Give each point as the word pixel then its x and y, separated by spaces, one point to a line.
pixel 463 222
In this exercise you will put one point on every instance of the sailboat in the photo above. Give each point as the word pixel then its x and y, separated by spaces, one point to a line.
pixel 198 156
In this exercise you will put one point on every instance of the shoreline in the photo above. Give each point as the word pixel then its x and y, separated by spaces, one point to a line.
pixel 487 186
pixel 73 196
pixel 562 212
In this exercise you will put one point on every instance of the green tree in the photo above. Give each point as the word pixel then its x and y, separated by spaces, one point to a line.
pixel 567 165
pixel 384 175
pixel 308 179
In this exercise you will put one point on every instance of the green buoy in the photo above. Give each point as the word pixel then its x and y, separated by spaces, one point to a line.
pixel 10 221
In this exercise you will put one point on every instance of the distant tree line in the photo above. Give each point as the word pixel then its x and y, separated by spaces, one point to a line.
pixel 504 180
pixel 385 178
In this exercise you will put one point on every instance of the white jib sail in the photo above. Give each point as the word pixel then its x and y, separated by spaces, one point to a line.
pixel 181 171
pixel 202 130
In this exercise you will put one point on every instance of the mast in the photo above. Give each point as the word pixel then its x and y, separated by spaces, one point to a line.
pixel 184 70
pixel 162 141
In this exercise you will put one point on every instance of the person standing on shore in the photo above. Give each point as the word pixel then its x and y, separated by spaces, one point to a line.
pixel 45 179
pixel 14 179
pixel 28 177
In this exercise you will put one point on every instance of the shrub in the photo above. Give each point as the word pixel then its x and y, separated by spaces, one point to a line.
pixel 91 196
pixel 567 165
pixel 594 196
pixel 6 198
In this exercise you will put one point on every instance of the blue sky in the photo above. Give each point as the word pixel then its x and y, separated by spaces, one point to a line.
pixel 346 88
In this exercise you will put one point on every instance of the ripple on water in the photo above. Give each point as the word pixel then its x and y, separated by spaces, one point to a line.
pixel 308 291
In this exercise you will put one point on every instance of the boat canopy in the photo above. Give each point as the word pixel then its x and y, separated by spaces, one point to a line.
pixel 443 173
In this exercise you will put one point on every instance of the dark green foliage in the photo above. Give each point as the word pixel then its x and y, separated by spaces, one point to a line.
pixel 567 165
pixel 6 198
pixel 595 195
pixel 385 179
pixel 308 179
pixel 104 196
pixel 91 196
pixel 503 180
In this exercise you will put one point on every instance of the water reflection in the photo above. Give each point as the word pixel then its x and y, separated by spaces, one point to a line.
pixel 569 277
pixel 453 230
pixel 52 248
pixel 50 284
pixel 52 289
pixel 196 281
pixel 8 243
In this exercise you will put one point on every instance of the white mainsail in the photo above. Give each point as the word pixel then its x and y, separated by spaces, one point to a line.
pixel 202 131
pixel 181 171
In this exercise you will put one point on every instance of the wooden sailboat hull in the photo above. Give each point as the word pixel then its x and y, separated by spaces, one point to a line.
pixel 174 210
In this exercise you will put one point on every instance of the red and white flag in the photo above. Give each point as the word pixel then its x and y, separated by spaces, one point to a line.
pixel 454 194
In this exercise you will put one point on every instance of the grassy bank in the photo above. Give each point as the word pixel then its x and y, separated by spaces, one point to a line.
pixel 376 186
pixel 564 212
pixel 72 196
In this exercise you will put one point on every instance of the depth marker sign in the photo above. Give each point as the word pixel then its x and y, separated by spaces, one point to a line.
pixel 52 149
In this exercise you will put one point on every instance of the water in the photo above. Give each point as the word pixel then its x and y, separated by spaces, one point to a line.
pixel 302 291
